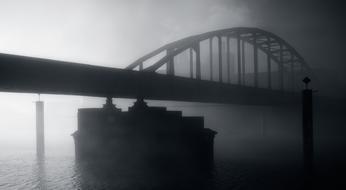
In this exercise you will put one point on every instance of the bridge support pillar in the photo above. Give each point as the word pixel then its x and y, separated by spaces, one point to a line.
pixel 255 61
pixel 211 57
pixel 269 65
pixel 198 62
pixel 281 69
pixel 220 58
pixel 269 68
pixel 243 62
pixel 308 146
pixel 140 67
pixel 292 73
pixel 228 60
pixel 238 59
pixel 40 128
pixel 191 63
pixel 170 64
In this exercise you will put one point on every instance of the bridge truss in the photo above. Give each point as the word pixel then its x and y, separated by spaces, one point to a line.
pixel 241 56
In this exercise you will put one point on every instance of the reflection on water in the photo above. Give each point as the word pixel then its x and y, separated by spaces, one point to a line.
pixel 40 172
pixel 26 171
pixel 23 170
pixel 59 170
pixel 101 177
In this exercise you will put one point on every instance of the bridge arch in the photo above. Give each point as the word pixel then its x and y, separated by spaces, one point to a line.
pixel 282 65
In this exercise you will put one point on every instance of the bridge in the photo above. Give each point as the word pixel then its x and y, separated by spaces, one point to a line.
pixel 236 65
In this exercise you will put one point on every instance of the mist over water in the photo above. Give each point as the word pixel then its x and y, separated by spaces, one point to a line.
pixel 255 148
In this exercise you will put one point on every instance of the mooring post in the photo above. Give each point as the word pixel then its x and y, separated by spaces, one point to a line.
pixel 308 146
pixel 40 128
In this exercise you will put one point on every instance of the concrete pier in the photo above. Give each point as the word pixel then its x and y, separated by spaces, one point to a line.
pixel 143 137
pixel 40 128
pixel 308 145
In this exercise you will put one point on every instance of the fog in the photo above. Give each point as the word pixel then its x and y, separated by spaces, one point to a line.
pixel 115 33
pixel 107 33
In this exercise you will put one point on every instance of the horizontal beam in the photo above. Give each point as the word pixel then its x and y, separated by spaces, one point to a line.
pixel 33 75
pixel 291 61
pixel 281 50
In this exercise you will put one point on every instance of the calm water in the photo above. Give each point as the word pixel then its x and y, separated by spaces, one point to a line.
pixel 270 161
pixel 21 169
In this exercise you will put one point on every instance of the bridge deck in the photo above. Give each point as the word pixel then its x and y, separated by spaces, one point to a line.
pixel 34 75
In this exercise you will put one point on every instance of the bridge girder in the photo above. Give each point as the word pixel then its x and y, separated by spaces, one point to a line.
pixel 44 76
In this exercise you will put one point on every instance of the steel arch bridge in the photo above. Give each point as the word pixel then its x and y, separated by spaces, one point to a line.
pixel 242 56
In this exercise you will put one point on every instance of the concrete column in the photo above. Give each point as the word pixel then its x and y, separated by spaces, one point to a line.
pixel 141 66
pixel 228 60
pixel 239 60
pixel 220 58
pixel 198 61
pixel 281 69
pixel 269 66
pixel 211 57
pixel 191 63
pixel 40 128
pixel 170 63
pixel 243 62
pixel 269 71
pixel 308 145
pixel 292 72
pixel 255 61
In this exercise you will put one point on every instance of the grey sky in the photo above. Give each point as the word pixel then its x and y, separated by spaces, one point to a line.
pixel 114 33
pixel 102 32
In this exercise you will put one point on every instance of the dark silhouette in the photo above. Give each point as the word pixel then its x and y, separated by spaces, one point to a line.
pixel 308 145
pixel 144 141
